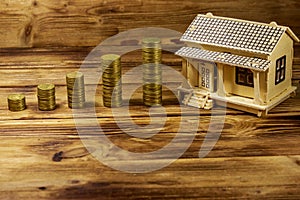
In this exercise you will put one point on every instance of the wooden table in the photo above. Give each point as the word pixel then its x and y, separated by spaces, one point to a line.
pixel 42 155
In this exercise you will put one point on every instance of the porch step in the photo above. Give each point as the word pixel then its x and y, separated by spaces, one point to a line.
pixel 198 98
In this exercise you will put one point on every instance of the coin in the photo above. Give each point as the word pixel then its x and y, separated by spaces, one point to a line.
pixel 16 102
pixel 152 72
pixel 112 80
pixel 46 96
pixel 75 89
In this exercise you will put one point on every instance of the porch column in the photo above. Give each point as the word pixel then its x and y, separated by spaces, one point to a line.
pixel 257 98
pixel 184 68
pixel 221 90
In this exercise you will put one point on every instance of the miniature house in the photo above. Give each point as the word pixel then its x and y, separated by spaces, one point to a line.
pixel 241 64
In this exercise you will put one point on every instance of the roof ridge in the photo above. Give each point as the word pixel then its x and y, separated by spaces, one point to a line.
pixel 271 24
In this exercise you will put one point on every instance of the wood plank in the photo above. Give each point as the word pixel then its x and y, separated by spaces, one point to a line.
pixel 80 23
pixel 43 157
pixel 291 106
pixel 15 31
pixel 241 136
pixel 242 177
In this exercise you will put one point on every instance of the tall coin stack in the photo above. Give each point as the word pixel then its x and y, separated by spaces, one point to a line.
pixel 46 96
pixel 152 72
pixel 16 102
pixel 112 83
pixel 75 89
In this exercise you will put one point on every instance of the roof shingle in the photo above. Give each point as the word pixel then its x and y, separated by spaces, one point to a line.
pixel 233 34
pixel 225 58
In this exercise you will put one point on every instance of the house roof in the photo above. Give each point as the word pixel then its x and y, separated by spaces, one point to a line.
pixel 235 34
pixel 225 58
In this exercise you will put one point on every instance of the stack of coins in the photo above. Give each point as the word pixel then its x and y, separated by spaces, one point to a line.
pixel 152 72
pixel 16 102
pixel 46 97
pixel 75 89
pixel 112 83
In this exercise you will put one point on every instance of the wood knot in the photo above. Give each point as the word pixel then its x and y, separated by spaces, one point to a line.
pixel 42 188
pixel 57 157
pixel 71 154
pixel 28 30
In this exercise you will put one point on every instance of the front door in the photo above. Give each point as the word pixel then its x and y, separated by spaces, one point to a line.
pixel 206 75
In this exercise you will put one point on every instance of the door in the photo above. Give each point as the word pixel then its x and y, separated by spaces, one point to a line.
pixel 206 75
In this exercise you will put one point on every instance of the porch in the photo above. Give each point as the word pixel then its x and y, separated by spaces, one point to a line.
pixel 249 105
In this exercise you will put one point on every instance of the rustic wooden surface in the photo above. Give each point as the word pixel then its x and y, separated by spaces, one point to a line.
pixel 40 23
pixel 41 154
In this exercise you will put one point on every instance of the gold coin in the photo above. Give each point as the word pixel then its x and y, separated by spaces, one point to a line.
pixel 75 75
pixel 75 89
pixel 16 97
pixel 110 57
pixel 152 72
pixel 46 87
pixel 152 103
pixel 117 79
pixel 151 41
pixel 112 105
pixel 111 79
pixel 46 96
pixel 16 102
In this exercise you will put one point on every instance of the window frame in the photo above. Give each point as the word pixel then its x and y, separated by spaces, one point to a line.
pixel 247 73
pixel 205 77
pixel 280 70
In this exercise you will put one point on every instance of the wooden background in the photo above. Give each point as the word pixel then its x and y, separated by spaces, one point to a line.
pixel 41 154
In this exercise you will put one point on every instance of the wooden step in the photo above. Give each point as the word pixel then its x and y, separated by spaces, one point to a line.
pixel 201 92
pixel 194 105
pixel 199 98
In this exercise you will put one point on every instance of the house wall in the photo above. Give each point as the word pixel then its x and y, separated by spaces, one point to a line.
pixel 184 68
pixel 263 86
pixel 192 73
pixel 231 87
pixel 284 47
pixel 230 72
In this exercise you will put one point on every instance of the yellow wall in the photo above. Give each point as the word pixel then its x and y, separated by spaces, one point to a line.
pixel 192 73
pixel 231 87
pixel 184 68
pixel 284 47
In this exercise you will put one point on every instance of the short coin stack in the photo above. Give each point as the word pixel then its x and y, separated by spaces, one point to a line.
pixel 152 72
pixel 112 83
pixel 16 102
pixel 46 96
pixel 75 89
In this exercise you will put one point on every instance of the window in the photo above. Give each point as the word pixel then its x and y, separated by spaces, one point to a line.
pixel 244 77
pixel 205 80
pixel 280 70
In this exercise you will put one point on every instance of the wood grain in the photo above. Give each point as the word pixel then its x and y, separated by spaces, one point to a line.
pixel 40 23
pixel 42 155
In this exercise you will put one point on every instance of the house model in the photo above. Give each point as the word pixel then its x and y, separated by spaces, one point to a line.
pixel 244 65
